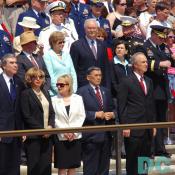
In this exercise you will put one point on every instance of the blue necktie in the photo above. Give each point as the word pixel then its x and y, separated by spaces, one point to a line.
pixel 76 8
pixel 110 7
pixel 12 90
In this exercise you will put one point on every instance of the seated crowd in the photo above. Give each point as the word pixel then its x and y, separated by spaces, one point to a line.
pixel 75 63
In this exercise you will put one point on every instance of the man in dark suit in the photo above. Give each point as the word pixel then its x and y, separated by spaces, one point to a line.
pixel 99 111
pixel 136 105
pixel 159 60
pixel 27 58
pixel 10 116
pixel 87 52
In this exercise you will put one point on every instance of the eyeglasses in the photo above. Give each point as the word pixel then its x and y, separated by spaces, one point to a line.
pixel 61 85
pixel 38 77
pixel 61 42
pixel 123 4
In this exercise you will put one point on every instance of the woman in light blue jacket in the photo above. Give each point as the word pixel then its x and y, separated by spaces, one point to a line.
pixel 58 62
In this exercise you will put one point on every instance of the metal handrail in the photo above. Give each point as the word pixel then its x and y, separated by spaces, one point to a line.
pixel 86 129
pixel 117 128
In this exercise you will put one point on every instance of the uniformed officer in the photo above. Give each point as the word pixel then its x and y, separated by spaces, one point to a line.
pixel 5 44
pixel 96 13
pixel 36 11
pixel 79 13
pixel 159 60
pixel 59 23
pixel 129 36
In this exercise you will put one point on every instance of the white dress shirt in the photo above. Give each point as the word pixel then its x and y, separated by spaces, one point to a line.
pixel 7 80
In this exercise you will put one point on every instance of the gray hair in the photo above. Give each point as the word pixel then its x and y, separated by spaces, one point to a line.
pixel 92 68
pixel 87 21
pixel 135 56
pixel 5 58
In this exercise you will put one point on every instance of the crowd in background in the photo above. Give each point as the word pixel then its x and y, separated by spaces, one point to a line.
pixel 74 63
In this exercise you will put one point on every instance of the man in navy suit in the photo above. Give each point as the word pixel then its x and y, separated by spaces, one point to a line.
pixel 89 51
pixel 10 116
pixel 136 105
pixel 99 111
pixel 36 11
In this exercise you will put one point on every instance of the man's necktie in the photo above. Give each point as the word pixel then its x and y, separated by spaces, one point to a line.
pixel 12 90
pixel 142 85
pixel 42 15
pixel 33 61
pixel 76 8
pixel 99 97
pixel 93 49
pixel 158 48
pixel 110 7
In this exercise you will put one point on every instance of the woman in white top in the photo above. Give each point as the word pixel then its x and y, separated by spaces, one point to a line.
pixel 69 112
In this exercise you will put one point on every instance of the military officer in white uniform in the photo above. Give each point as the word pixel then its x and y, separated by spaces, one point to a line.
pixel 59 23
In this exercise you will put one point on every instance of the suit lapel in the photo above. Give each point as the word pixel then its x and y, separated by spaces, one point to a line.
pixel 103 97
pixel 36 99
pixel 26 60
pixel 87 47
pixel 137 83
pixel 64 112
pixel 39 21
pixel 147 84
pixel 98 49
pixel 17 91
pixel 72 104
pixel 92 93
pixel 37 59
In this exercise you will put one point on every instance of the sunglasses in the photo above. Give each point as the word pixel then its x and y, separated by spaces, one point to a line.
pixel 123 4
pixel 38 77
pixel 61 85
pixel 61 42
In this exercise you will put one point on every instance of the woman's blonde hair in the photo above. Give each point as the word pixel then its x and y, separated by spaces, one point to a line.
pixel 55 37
pixel 68 80
pixel 31 73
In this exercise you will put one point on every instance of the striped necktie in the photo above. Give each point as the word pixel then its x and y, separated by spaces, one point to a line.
pixel 99 97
